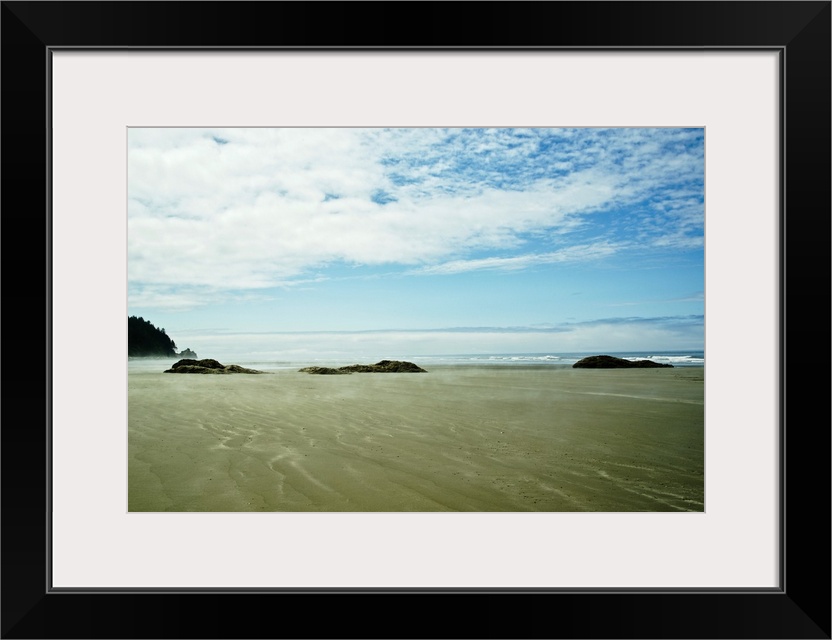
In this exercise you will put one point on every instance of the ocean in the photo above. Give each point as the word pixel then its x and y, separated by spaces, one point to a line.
pixel 676 358
pixel 553 359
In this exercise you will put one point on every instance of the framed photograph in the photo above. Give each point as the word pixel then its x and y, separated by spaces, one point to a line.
pixel 127 124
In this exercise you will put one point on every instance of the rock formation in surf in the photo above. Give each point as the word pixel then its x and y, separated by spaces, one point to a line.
pixel 609 362
pixel 207 366
pixel 384 366
pixel 323 371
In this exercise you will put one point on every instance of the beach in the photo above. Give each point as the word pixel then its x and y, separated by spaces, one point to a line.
pixel 457 438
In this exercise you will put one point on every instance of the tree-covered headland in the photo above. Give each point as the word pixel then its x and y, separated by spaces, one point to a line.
pixel 146 341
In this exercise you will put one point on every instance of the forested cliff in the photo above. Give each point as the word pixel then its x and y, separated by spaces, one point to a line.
pixel 146 341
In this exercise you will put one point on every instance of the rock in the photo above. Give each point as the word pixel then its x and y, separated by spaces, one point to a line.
pixel 609 362
pixel 190 362
pixel 187 353
pixel 384 366
pixel 188 365
pixel 235 368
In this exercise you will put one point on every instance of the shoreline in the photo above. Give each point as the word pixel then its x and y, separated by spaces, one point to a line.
pixel 487 366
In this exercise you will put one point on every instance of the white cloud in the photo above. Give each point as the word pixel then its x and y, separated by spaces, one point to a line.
pixel 575 253
pixel 237 209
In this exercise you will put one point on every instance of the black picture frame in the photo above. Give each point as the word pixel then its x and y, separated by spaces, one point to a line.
pixel 799 608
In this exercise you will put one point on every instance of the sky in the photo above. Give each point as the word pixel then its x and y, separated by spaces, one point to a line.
pixel 289 243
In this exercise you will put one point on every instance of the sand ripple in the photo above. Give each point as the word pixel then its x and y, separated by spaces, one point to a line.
pixel 455 439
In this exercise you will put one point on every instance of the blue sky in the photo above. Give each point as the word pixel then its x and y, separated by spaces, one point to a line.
pixel 282 243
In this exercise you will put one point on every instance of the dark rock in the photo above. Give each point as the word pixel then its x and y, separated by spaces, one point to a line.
pixel 384 366
pixel 235 368
pixel 187 353
pixel 190 368
pixel 190 362
pixel 208 365
pixel 609 362
pixel 324 371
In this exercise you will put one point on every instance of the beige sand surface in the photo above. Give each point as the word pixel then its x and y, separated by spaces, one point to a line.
pixel 453 439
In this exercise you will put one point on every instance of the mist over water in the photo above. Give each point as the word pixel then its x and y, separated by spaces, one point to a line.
pixel 676 358
pixel 266 363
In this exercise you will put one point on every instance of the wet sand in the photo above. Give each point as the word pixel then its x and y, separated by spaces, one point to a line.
pixel 479 439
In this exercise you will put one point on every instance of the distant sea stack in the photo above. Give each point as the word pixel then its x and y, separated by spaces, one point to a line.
pixel 207 366
pixel 384 366
pixel 609 362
